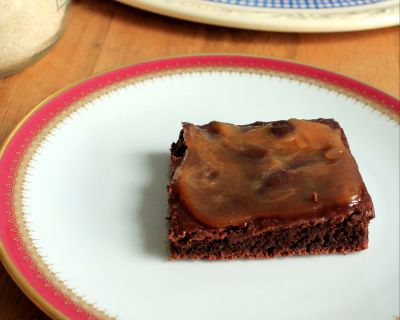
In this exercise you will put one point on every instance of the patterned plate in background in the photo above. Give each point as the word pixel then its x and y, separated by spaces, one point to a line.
pixel 298 4
pixel 281 15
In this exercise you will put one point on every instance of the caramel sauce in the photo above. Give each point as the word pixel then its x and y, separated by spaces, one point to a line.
pixel 231 174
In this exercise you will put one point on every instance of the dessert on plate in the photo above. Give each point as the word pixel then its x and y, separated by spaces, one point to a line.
pixel 265 189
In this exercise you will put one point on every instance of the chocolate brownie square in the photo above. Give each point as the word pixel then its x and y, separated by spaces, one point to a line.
pixel 265 189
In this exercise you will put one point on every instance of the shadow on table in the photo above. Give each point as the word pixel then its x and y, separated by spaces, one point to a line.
pixel 13 303
pixel 153 208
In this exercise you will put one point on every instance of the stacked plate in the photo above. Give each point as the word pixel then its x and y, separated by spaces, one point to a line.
pixel 281 15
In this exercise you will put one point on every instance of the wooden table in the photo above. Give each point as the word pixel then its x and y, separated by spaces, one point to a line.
pixel 102 35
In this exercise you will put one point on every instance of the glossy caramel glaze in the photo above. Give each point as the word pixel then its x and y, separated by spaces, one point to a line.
pixel 287 170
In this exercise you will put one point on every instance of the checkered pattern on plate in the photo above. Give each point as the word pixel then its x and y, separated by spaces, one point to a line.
pixel 298 4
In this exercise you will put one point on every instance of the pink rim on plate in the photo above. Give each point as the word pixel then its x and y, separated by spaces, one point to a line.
pixel 13 252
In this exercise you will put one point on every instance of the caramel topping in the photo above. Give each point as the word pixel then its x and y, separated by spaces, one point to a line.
pixel 286 170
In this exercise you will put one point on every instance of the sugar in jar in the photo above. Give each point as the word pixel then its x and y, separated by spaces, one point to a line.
pixel 27 30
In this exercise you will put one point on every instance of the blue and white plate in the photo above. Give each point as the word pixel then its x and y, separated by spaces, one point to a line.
pixel 298 4
pixel 281 15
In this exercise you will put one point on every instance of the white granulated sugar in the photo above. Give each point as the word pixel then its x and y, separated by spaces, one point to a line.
pixel 27 28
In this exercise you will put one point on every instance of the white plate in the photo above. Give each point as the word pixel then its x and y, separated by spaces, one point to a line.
pixel 281 15
pixel 85 233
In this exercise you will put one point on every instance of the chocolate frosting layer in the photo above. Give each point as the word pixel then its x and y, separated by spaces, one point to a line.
pixel 287 169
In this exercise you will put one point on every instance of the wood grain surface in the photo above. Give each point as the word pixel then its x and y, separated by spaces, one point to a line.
pixel 102 35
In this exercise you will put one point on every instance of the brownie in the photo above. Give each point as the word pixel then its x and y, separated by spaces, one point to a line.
pixel 265 189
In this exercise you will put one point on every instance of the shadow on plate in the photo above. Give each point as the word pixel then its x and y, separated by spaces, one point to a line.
pixel 153 208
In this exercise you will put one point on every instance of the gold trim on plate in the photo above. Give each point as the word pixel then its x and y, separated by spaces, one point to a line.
pixel 42 134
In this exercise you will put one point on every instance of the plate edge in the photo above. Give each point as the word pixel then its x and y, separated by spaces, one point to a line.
pixel 8 264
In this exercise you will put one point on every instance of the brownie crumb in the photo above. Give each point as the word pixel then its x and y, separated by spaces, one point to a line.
pixel 314 196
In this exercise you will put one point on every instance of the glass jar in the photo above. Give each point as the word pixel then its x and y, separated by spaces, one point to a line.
pixel 27 30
